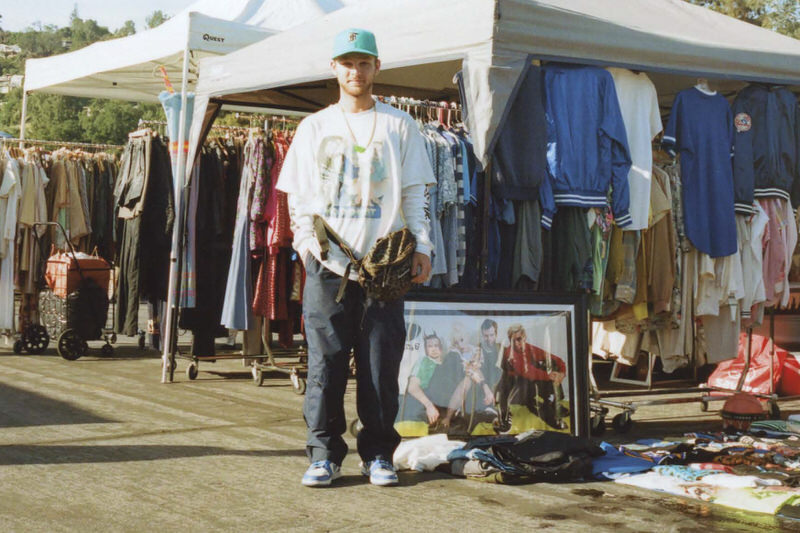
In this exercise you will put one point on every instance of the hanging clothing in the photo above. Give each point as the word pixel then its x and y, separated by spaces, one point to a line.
pixel 237 312
pixel 9 203
pixel 700 128
pixel 588 152
pixel 638 103
pixel 765 163
pixel 144 199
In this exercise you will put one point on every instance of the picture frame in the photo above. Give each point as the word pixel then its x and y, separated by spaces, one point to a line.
pixel 484 363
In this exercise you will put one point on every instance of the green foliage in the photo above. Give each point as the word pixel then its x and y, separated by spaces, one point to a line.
pixel 128 28
pixel 157 18
pixel 782 16
pixel 54 117
pixel 11 111
pixel 64 118
pixel 85 32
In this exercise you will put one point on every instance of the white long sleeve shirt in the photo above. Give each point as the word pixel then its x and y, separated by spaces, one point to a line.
pixel 363 194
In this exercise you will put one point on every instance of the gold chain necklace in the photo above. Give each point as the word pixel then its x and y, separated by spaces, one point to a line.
pixel 356 146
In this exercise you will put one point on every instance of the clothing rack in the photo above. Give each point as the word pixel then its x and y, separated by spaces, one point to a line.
pixel 64 144
pixel 444 110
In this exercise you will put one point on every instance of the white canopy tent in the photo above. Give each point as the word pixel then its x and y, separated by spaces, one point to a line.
pixel 423 43
pixel 125 68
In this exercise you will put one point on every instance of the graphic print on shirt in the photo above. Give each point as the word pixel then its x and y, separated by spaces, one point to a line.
pixel 353 183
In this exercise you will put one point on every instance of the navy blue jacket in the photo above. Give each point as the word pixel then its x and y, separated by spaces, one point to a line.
pixel 588 150
pixel 765 163
pixel 520 155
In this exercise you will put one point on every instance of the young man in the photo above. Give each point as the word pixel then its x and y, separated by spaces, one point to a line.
pixel 362 166
pixel 530 378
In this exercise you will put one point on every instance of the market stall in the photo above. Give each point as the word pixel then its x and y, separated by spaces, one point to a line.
pixel 135 67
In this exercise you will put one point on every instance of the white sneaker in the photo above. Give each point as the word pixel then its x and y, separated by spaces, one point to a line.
pixel 321 474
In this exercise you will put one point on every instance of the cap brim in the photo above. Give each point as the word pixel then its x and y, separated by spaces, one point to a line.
pixel 357 51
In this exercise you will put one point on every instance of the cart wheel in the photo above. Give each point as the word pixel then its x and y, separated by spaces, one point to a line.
pixel 774 411
pixel 18 346
pixel 35 340
pixel 598 425
pixel 71 346
pixel 622 422
pixel 298 385
pixel 191 371
pixel 107 350
pixel 355 427
pixel 258 376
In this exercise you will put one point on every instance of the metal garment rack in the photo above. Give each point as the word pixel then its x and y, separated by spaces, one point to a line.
pixel 259 363
pixel 772 398
pixel 622 421
pixel 63 144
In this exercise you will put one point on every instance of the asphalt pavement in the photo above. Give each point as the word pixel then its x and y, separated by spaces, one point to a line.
pixel 100 444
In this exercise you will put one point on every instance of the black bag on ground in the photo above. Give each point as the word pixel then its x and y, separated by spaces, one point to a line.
pixel 87 309
pixel 535 457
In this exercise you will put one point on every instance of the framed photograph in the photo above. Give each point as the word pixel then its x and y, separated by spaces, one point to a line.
pixel 500 363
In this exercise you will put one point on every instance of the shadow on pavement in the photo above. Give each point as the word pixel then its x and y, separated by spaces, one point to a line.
pixel 26 454
pixel 22 408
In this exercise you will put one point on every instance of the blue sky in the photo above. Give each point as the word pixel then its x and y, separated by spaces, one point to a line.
pixel 19 14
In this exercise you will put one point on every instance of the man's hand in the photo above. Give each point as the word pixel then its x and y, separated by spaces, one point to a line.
pixel 557 377
pixel 420 268
pixel 432 413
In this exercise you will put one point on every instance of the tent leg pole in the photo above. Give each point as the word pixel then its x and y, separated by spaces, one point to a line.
pixel 23 119
pixel 171 318
pixel 487 198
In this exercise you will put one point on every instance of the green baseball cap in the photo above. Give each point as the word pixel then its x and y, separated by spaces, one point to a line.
pixel 354 40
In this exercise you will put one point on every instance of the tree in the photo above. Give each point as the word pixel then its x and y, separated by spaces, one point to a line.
pixel 55 117
pixel 11 111
pixel 782 16
pixel 128 28
pixel 85 32
pixel 156 18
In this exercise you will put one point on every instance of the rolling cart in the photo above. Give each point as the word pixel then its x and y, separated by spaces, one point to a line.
pixel 260 364
pixel 74 307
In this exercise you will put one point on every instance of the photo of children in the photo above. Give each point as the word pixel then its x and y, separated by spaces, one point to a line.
pixel 482 373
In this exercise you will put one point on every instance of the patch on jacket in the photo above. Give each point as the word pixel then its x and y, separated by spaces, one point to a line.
pixel 743 122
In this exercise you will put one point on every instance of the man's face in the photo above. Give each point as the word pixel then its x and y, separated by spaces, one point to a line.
pixel 518 341
pixel 489 336
pixel 356 73
pixel 433 349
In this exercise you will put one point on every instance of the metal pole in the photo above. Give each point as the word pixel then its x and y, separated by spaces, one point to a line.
pixel 170 320
pixel 487 198
pixel 24 118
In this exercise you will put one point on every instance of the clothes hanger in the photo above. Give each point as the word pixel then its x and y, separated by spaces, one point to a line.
pixel 702 85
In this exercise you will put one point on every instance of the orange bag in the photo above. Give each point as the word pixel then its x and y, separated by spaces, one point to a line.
pixel 62 274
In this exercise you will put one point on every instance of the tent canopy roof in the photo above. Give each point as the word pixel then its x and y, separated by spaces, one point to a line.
pixel 422 44
pixel 655 35
pixel 127 68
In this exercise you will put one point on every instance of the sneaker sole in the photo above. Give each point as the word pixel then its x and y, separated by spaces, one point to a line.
pixel 384 482
pixel 321 483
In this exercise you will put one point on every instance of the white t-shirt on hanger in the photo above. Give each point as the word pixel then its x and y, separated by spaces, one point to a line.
pixel 638 103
